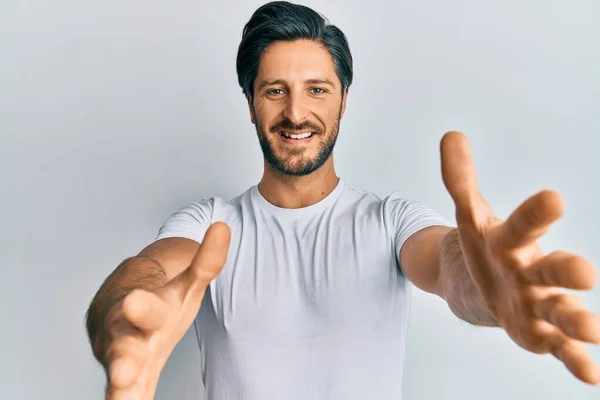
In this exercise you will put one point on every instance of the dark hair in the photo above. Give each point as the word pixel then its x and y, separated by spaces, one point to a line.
pixel 284 21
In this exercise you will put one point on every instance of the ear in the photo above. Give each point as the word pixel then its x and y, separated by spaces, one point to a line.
pixel 251 109
pixel 344 98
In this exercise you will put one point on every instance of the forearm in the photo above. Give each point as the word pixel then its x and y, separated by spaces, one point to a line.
pixel 458 287
pixel 133 273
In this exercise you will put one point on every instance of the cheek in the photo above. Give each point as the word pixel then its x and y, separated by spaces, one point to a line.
pixel 264 113
pixel 265 123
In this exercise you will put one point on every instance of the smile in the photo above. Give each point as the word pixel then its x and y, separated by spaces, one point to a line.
pixel 296 136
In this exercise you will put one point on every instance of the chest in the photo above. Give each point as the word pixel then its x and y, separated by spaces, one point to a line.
pixel 298 278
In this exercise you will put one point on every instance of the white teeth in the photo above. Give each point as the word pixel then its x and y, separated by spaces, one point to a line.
pixel 299 136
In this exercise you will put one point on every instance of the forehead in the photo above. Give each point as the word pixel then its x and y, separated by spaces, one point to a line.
pixel 296 61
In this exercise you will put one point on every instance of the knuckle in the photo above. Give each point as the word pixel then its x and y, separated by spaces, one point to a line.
pixel 563 301
pixel 137 305
pixel 123 345
pixel 580 323
pixel 136 294
pixel 127 341
pixel 132 301
pixel 562 307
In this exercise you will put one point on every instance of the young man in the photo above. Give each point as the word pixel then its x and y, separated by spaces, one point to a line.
pixel 300 287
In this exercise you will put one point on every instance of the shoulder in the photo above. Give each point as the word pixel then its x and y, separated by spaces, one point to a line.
pixel 402 215
pixel 393 203
pixel 355 197
pixel 193 219
pixel 214 208
pixel 189 221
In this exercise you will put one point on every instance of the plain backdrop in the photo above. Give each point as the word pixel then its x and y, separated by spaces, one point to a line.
pixel 113 114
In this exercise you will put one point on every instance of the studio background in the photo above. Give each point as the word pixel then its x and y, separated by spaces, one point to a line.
pixel 114 114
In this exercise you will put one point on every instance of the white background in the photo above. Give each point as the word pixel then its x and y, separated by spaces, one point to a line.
pixel 113 114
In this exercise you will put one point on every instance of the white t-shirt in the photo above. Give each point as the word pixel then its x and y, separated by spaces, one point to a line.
pixel 312 303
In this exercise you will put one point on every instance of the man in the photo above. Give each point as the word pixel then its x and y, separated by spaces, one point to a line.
pixel 300 287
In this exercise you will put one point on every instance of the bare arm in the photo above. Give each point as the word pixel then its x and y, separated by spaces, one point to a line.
pixel 432 259
pixel 151 268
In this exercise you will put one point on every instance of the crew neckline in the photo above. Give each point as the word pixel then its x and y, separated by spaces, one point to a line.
pixel 302 211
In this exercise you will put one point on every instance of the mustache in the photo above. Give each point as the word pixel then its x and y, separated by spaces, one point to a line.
pixel 289 125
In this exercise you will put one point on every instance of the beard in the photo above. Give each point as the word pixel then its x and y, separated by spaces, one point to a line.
pixel 294 163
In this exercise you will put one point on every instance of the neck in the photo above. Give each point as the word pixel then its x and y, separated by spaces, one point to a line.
pixel 287 191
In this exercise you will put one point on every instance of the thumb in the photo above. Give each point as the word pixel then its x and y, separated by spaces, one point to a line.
pixel 459 174
pixel 211 256
pixel 208 262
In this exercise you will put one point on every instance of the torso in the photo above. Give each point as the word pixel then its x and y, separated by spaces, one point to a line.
pixel 310 305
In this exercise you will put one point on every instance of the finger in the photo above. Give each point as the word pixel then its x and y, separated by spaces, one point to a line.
pixel 189 286
pixel 459 174
pixel 567 313
pixel 126 357
pixel 575 357
pixel 563 270
pixel 531 219
pixel 211 256
pixel 144 310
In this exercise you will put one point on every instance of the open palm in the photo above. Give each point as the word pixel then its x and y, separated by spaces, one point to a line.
pixel 522 287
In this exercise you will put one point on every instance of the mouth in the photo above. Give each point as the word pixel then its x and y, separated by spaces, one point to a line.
pixel 296 137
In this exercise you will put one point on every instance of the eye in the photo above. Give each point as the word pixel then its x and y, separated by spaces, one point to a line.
pixel 318 90
pixel 274 92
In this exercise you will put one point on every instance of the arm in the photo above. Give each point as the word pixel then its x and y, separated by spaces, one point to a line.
pixel 151 268
pixel 432 259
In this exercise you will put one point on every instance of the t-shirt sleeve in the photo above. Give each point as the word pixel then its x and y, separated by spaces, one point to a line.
pixel 190 221
pixel 406 217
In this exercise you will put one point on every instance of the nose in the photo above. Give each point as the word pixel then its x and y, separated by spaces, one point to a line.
pixel 296 109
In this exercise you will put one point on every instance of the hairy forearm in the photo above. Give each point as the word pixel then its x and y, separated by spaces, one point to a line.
pixel 458 287
pixel 133 273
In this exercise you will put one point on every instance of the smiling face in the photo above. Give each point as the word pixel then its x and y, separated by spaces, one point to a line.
pixel 297 106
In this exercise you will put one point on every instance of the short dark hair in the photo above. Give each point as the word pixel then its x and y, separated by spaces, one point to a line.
pixel 284 21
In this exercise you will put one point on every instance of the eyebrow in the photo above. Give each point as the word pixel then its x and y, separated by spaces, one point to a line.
pixel 318 81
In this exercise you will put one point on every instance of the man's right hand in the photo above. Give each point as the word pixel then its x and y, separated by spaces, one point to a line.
pixel 142 330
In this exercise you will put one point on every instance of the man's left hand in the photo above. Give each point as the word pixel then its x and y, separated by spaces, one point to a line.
pixel 522 287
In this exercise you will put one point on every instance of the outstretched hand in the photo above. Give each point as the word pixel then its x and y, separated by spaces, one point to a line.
pixel 522 287
pixel 145 327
